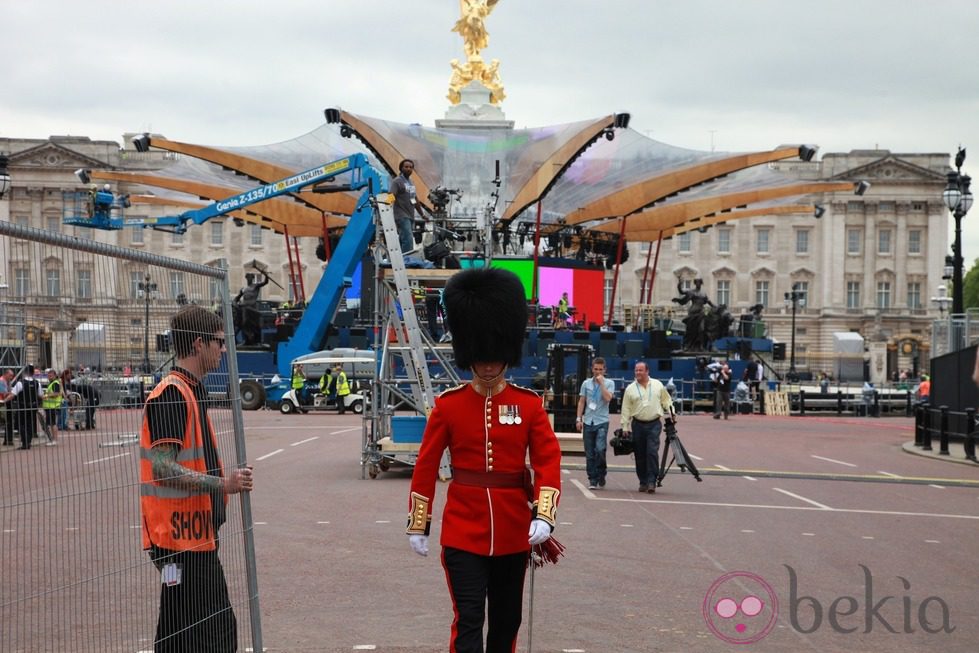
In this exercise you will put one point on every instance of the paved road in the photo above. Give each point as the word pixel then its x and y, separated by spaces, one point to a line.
pixel 825 508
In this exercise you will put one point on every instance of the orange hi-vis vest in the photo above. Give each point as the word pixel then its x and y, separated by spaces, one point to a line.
pixel 174 518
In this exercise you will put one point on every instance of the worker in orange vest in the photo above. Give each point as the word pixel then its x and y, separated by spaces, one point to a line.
pixel 183 493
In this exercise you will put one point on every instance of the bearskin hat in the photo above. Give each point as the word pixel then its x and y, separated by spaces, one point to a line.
pixel 486 309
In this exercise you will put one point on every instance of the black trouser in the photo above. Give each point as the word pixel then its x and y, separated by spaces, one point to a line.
pixel 27 425
pixel 722 402
pixel 8 425
pixel 341 403
pixel 645 440
pixel 196 615
pixel 475 581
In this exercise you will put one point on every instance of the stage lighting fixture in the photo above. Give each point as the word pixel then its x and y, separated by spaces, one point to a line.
pixel 622 120
pixel 818 211
pixel 142 142
pixel 4 175
pixel 861 187
pixel 807 152
pixel 83 175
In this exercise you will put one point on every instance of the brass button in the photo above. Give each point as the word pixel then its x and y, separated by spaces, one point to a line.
pixel 489 468
pixel 491 460
pixel 489 445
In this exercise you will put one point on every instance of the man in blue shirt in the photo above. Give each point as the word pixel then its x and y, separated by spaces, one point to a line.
pixel 595 395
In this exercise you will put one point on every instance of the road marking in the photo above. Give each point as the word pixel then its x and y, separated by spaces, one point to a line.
pixel 365 647
pixel 830 460
pixel 9 530
pixel 566 523
pixel 750 478
pixel 745 530
pixel 888 474
pixel 686 528
pixel 723 468
pixel 382 521
pixel 809 534
pixel 572 650
pixel 322 522
pixel 937 487
pixel 851 511
pixel 99 460
pixel 296 444
pixel 269 455
pixel 72 528
pixel 932 542
pixel 261 523
pixel 588 493
pixel 867 537
pixel 355 428
pixel 626 525
pixel 694 457
pixel 802 498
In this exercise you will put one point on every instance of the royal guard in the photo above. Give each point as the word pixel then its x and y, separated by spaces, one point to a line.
pixel 495 510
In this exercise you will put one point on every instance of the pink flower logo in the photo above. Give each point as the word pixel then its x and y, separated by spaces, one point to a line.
pixel 740 608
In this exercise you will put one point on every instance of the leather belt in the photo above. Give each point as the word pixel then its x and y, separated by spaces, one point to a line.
pixel 488 479
pixel 645 421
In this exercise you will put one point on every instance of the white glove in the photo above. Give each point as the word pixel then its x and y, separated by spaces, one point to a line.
pixel 540 530
pixel 419 544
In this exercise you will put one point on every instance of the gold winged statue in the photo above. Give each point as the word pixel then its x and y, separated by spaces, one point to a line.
pixel 472 28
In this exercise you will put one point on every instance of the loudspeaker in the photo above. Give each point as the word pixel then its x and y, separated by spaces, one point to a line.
pixel 778 351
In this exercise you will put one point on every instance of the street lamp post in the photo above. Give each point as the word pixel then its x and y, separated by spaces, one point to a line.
pixel 942 300
pixel 958 199
pixel 794 298
pixel 146 287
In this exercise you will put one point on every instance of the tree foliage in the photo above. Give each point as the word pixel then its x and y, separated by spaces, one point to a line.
pixel 970 286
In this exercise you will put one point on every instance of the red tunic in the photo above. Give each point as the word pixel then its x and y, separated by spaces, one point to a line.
pixel 482 436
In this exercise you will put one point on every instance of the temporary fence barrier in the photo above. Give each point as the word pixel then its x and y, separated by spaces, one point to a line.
pixel 73 573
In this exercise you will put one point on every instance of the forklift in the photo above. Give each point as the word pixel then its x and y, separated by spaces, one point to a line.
pixel 563 381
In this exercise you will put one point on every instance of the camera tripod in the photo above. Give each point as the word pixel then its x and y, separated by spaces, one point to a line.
pixel 680 455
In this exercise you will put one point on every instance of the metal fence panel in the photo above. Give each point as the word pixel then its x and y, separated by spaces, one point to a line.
pixel 73 575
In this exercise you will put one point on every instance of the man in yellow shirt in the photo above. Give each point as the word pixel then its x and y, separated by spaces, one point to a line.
pixel 645 404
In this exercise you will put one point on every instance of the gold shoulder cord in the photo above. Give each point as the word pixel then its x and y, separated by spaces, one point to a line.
pixel 419 522
pixel 546 505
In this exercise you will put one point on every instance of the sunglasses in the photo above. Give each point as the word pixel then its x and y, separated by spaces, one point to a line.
pixel 220 341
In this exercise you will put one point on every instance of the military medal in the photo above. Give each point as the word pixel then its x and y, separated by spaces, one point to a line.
pixel 516 418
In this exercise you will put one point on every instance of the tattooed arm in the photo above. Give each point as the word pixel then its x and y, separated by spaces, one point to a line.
pixel 167 471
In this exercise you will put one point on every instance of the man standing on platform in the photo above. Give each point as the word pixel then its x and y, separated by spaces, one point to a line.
pixel 405 205
pixel 645 404
pixel 595 395
pixel 489 427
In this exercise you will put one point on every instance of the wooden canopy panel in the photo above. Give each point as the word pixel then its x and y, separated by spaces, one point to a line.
pixel 649 236
pixel 552 168
pixel 637 196
pixel 296 230
pixel 673 215
pixel 390 154
pixel 278 210
pixel 264 172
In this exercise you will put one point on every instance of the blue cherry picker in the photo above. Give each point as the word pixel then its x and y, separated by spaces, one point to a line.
pixel 101 209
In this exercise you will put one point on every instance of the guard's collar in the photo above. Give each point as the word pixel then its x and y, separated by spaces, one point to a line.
pixel 489 388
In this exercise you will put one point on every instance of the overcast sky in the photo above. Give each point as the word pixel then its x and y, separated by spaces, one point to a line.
pixel 737 75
